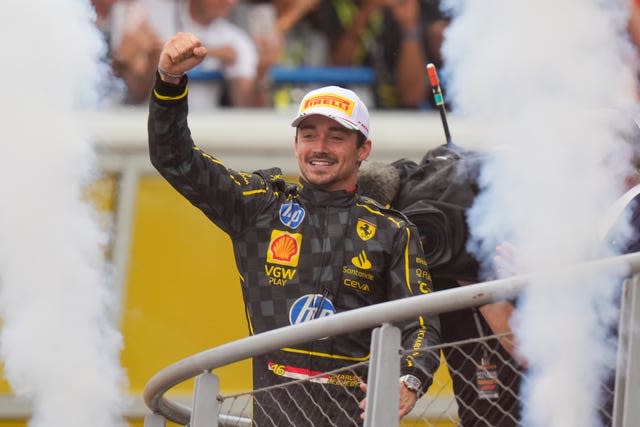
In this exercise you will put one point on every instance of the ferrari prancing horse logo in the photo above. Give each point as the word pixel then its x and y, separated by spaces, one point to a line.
pixel 365 229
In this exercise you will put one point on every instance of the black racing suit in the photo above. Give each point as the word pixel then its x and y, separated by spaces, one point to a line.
pixel 301 253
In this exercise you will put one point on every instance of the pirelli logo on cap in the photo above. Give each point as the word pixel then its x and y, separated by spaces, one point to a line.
pixel 284 248
pixel 330 100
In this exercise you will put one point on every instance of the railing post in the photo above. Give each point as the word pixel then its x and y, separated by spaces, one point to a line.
pixel 205 401
pixel 383 394
pixel 154 420
pixel 626 411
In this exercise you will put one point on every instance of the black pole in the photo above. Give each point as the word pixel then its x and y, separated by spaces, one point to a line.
pixel 438 98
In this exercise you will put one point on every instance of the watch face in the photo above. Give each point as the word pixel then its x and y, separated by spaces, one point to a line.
pixel 411 382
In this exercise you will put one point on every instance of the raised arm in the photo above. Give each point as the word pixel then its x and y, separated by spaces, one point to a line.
pixel 229 198
pixel 411 60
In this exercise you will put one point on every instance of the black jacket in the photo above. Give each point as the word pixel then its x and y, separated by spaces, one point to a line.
pixel 298 248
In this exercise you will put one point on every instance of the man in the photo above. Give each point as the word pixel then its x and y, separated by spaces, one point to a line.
pixel 302 251
pixel 230 50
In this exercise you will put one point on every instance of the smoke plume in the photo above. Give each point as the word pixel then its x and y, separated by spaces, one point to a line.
pixel 548 85
pixel 59 347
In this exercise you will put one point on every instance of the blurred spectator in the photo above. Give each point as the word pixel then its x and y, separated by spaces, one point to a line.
pixel 435 22
pixel 259 18
pixel 396 38
pixel 386 35
pixel 112 87
pixel 230 50
pixel 287 33
pixel 349 33
pixel 304 30
pixel 133 48
pixel 103 16
pixel 411 36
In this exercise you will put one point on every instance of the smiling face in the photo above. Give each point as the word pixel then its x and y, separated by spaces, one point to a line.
pixel 327 153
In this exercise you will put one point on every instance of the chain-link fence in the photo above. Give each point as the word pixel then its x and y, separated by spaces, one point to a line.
pixel 319 399
pixel 482 387
pixel 484 377
pixel 485 381
pixel 479 388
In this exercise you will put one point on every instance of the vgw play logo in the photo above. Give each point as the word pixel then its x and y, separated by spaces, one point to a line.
pixel 310 307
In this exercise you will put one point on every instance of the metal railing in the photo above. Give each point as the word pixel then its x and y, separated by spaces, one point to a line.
pixel 385 351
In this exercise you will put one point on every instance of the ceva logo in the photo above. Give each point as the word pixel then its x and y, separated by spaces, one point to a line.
pixel 310 307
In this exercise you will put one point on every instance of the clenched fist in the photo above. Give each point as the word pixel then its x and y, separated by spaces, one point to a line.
pixel 180 54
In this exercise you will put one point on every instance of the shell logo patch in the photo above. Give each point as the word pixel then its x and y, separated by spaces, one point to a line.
pixel 284 248
pixel 329 100
pixel 365 229
pixel 361 261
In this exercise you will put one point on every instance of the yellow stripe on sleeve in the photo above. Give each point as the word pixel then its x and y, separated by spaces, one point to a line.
pixel 370 209
pixel 207 156
pixel 170 98
pixel 246 309
pixel 377 212
pixel 407 271
pixel 252 192
pixel 326 355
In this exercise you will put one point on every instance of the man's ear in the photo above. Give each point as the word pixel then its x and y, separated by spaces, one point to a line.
pixel 364 150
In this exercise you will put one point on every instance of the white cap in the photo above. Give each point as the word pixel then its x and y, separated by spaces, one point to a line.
pixel 337 103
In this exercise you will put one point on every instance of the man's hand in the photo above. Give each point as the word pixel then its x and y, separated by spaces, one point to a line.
pixel 408 400
pixel 180 54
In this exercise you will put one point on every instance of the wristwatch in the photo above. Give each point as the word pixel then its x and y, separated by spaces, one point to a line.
pixel 412 383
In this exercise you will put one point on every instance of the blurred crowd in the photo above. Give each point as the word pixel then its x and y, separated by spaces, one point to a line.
pixel 246 39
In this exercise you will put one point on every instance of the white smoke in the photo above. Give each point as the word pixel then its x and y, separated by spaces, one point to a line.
pixel 59 347
pixel 537 77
